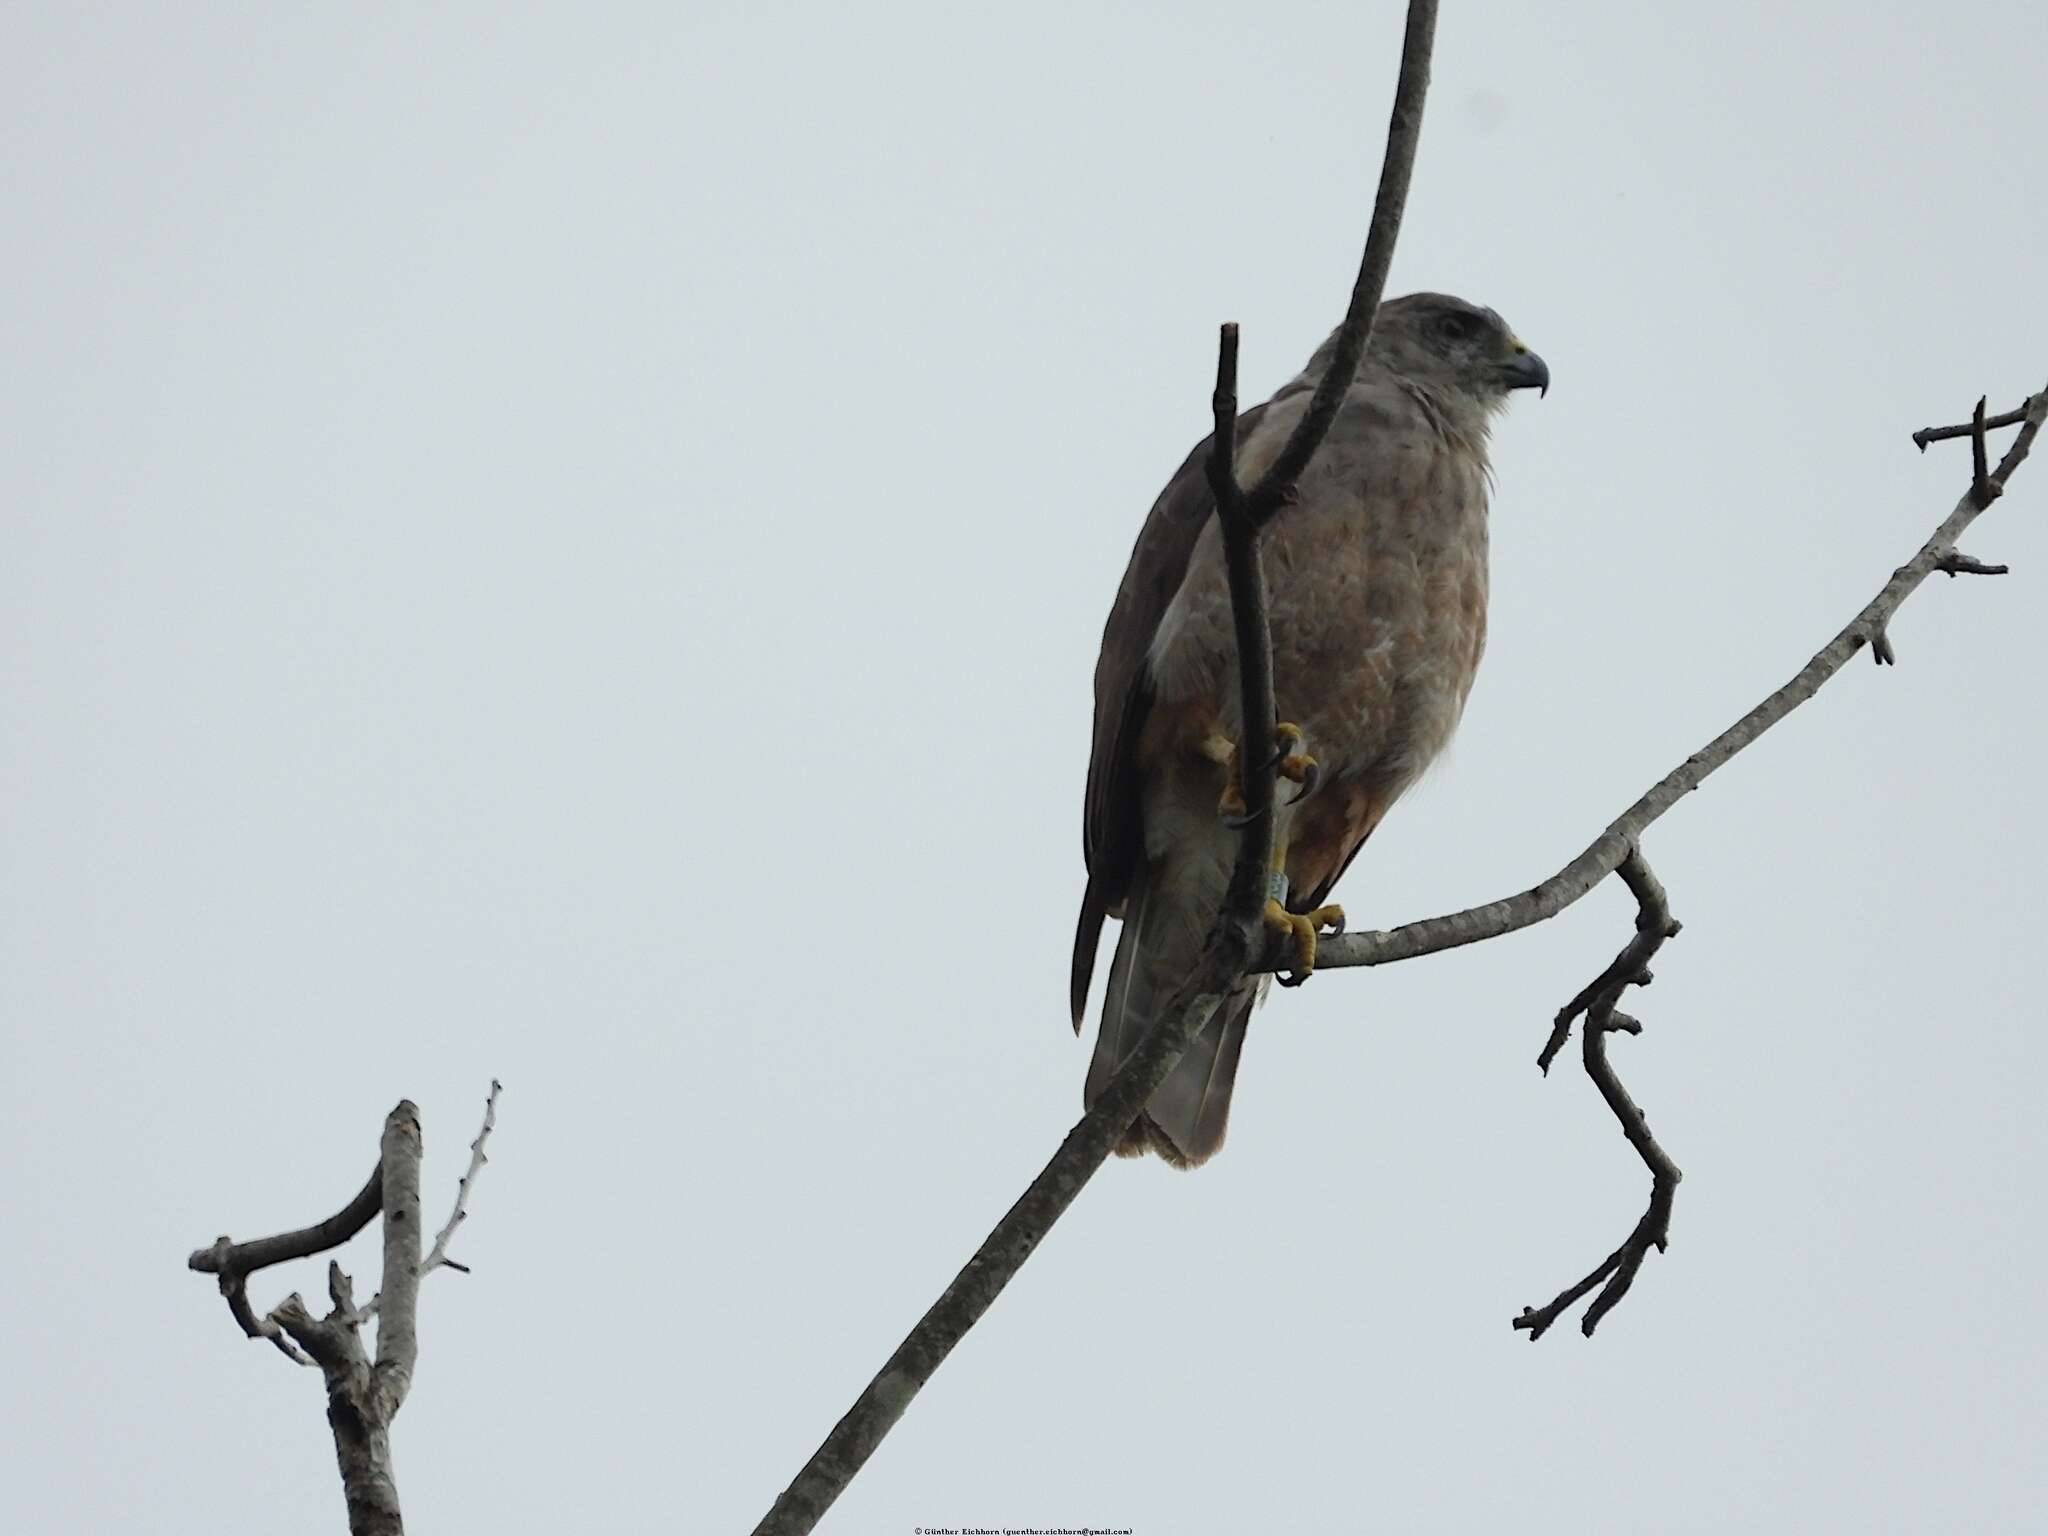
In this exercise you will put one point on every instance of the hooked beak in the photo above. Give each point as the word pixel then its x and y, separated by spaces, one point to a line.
pixel 1525 370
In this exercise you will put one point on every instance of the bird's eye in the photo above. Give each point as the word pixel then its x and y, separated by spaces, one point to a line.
pixel 1458 325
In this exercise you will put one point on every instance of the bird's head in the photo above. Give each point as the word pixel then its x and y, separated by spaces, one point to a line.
pixel 1449 345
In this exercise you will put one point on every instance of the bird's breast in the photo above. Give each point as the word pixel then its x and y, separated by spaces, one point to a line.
pixel 1376 588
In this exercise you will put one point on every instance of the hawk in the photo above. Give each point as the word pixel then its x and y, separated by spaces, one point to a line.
pixel 1376 581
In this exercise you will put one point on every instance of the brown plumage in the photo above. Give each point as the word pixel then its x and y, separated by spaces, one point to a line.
pixel 1376 582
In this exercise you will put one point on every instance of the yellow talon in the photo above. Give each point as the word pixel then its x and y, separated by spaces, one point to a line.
pixel 1294 765
pixel 1301 928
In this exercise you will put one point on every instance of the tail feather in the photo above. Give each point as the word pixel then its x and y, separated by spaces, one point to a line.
pixel 1087 936
pixel 1163 929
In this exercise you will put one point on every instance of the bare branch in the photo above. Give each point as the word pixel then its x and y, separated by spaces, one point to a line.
pixel 265 1327
pixel 1550 897
pixel 437 1256
pixel 398 1320
pixel 235 1262
pixel 229 1258
pixel 362 1398
pixel 961 1305
pixel 1244 568
pixel 1654 924
pixel 1233 941
pixel 1981 487
pixel 1397 169
pixel 1957 564
pixel 2011 418
pixel 332 1342
pixel 1598 1002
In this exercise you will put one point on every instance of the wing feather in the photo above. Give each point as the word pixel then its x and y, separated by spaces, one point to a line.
pixel 1111 833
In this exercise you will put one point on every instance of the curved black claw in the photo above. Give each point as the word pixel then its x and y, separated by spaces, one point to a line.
pixel 1311 779
pixel 1239 823
pixel 1288 739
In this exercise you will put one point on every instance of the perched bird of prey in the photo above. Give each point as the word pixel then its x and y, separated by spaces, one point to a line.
pixel 1376 581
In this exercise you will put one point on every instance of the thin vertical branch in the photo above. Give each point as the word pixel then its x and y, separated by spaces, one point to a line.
pixel 362 1398
pixel 1981 487
pixel 398 1345
pixel 1397 170
pixel 1244 568
pixel 1234 943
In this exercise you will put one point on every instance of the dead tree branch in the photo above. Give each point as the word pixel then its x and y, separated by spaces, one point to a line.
pixel 437 1256
pixel 1597 1004
pixel 1982 490
pixel 1237 937
pixel 1956 564
pixel 2011 418
pixel 1604 854
pixel 235 1262
pixel 362 1396
pixel 1275 488
pixel 1615 850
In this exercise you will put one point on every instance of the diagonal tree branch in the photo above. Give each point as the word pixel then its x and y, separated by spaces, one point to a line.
pixel 437 1256
pixel 1604 854
pixel 1276 487
pixel 1235 939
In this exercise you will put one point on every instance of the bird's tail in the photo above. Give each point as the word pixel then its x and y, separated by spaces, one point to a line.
pixel 1167 914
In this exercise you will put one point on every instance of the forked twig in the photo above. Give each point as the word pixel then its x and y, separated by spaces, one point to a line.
pixel 1597 1004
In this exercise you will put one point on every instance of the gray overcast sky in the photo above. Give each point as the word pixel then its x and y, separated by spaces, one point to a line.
pixel 570 544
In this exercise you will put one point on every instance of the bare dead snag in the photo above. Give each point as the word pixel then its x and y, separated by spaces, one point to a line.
pixel 363 1395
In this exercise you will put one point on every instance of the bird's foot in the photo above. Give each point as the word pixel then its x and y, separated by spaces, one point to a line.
pixel 1289 762
pixel 1301 929
pixel 1293 764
